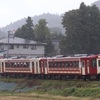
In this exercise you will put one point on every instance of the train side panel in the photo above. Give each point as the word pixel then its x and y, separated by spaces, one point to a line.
pixel 1 66
pixel 17 66
pixel 67 65
pixel 89 65
pixel 43 65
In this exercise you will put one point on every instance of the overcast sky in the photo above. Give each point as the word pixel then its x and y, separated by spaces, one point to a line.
pixel 13 10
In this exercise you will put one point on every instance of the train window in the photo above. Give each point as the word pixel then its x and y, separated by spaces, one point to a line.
pixel 45 64
pixel 93 62
pixel 99 63
pixel 39 64
pixel 72 63
pixel 60 64
pixel 68 64
pixel 21 64
pixel 50 64
pixel 27 64
pixel 2 64
pixel 77 64
pixel 33 64
pixel 64 64
pixel 15 64
pixel 18 64
pixel 55 64
pixel 12 64
pixel 5 64
pixel 36 64
pixel 83 63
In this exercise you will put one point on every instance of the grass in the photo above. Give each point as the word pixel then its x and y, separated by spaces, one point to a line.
pixel 52 88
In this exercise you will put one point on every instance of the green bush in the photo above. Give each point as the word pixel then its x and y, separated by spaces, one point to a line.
pixel 68 91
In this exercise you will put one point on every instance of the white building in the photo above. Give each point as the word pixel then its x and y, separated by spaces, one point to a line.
pixel 56 46
pixel 21 47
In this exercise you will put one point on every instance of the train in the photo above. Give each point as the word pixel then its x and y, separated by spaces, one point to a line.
pixel 70 67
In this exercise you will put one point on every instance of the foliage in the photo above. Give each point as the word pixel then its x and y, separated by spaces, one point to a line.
pixel 56 36
pixel 62 45
pixel 42 34
pixel 26 31
pixel 82 30
pixel 59 87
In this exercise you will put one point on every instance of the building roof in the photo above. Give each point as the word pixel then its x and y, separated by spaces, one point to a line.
pixel 17 40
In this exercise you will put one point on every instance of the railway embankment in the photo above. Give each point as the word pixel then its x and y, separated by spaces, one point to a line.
pixel 52 87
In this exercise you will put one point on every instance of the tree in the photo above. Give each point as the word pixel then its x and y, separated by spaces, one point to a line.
pixel 26 31
pixel 62 45
pixel 41 30
pixel 42 34
pixel 56 36
pixel 82 30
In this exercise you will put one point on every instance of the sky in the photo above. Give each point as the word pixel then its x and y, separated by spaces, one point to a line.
pixel 13 10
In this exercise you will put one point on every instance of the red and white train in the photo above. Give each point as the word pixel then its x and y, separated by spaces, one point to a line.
pixel 84 67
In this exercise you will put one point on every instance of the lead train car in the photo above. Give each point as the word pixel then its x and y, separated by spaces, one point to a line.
pixel 87 67
pixel 90 66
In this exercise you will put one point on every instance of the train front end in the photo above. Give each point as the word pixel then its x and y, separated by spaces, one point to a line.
pixel 98 67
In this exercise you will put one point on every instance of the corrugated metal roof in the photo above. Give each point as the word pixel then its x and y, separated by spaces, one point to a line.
pixel 17 40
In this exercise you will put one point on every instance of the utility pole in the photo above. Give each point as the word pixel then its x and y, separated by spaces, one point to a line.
pixel 10 35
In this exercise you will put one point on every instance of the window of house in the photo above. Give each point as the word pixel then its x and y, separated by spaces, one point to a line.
pixel 2 47
pixel 33 47
pixel 25 46
pixel 11 47
pixel 17 46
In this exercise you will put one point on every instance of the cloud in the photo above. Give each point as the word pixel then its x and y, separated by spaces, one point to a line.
pixel 12 10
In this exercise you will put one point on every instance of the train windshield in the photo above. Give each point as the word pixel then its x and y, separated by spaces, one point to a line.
pixel 99 63
pixel 93 62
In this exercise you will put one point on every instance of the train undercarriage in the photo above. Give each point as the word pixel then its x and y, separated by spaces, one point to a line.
pixel 52 76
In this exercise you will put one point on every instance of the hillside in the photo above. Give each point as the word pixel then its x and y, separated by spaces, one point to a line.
pixel 54 21
pixel 97 3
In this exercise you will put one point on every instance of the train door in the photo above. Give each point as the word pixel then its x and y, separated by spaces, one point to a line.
pixel 83 67
pixel 43 66
pixel 88 67
pixel 93 66
pixel 1 63
pixel 98 66
pixel 32 68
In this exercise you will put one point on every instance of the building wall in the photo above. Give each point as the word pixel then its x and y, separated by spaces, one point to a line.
pixel 56 46
pixel 18 50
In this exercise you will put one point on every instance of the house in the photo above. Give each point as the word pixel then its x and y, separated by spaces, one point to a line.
pixel 21 47
pixel 56 46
